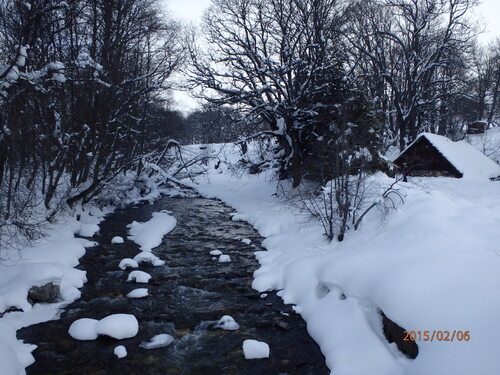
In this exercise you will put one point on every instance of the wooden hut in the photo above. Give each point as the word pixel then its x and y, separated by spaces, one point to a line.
pixel 477 127
pixel 434 155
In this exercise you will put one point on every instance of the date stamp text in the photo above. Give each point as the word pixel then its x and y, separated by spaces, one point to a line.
pixel 436 335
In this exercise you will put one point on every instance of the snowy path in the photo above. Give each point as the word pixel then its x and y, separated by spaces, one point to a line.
pixel 186 297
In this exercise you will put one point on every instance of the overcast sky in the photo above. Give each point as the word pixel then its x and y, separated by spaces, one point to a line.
pixel 190 11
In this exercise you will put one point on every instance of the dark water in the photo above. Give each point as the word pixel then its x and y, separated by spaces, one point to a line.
pixel 186 295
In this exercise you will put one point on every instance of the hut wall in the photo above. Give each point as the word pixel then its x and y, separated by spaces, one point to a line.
pixel 423 159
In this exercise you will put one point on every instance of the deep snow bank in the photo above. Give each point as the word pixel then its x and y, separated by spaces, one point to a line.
pixel 52 260
pixel 434 264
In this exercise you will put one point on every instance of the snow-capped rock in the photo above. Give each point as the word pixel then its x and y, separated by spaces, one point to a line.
pixel 227 323
pixel 120 351
pixel 127 263
pixel 139 277
pixel 158 341
pixel 118 326
pixel 138 293
pixel 253 349
pixel 83 329
pixel 224 258
pixel 117 239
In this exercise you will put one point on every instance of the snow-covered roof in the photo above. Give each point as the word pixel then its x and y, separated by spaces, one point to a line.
pixel 466 159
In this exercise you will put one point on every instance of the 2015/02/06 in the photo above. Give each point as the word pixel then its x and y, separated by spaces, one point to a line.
pixel 436 335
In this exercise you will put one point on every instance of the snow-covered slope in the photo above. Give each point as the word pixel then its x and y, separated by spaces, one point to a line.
pixel 433 264
pixel 52 260
pixel 488 143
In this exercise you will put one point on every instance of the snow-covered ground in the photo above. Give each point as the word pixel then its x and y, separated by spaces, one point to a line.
pixel 431 264
pixel 488 143
pixel 52 260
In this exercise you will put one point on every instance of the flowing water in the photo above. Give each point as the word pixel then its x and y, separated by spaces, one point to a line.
pixel 187 295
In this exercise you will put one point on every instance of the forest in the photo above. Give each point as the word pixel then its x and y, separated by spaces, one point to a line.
pixel 326 201
pixel 328 85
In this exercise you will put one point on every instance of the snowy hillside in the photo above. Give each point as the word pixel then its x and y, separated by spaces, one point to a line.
pixel 488 143
pixel 433 264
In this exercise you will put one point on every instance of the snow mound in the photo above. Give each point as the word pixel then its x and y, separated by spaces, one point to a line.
pixel 227 323
pixel 253 349
pixel 158 341
pixel 238 217
pixel 120 351
pixel 215 252
pixel 224 258
pixel 88 224
pixel 117 239
pixel 127 263
pixel 118 326
pixel 140 277
pixel 148 257
pixel 84 329
pixel 138 293
pixel 488 143
pixel 150 233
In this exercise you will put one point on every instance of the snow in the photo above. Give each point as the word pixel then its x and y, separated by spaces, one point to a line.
pixel 215 252
pixel 139 277
pixel 120 351
pixel 238 217
pixel 89 224
pixel 14 354
pixel 138 293
pixel 21 58
pixel 50 260
pixel 117 239
pixel 224 258
pixel 431 264
pixel 58 77
pixel 150 234
pixel 465 158
pixel 84 329
pixel 246 241
pixel 158 341
pixel 227 323
pixel 253 349
pixel 127 263
pixel 488 143
pixel 148 257
pixel 118 326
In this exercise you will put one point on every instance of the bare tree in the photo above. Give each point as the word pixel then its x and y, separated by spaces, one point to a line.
pixel 267 58
pixel 410 47
pixel 80 85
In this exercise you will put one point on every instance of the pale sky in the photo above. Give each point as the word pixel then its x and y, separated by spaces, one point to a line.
pixel 191 11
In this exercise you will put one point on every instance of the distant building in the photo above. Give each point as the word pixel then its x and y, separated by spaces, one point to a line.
pixel 477 127
pixel 434 155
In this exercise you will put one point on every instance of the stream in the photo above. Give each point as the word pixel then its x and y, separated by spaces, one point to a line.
pixel 187 295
